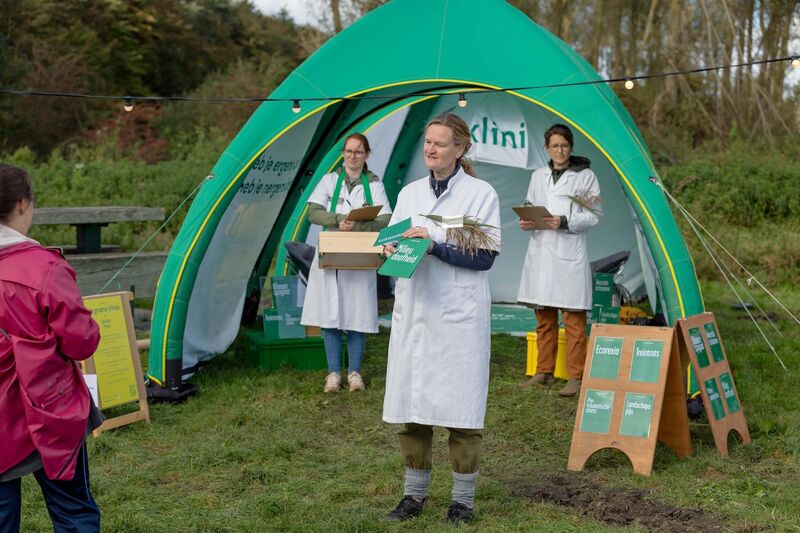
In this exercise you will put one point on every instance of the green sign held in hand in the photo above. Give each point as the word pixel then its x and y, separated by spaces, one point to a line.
pixel 404 262
pixel 393 233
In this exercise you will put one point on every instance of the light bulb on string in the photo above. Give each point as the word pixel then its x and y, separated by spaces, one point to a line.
pixel 629 84
pixel 462 100
pixel 128 105
pixel 796 62
pixel 296 106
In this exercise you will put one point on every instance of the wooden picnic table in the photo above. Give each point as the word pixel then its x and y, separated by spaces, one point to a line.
pixel 88 221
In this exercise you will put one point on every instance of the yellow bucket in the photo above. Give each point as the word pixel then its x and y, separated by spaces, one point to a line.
pixel 561 355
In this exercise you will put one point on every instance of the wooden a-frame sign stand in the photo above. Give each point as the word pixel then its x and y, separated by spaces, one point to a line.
pixel 632 396
pixel 116 361
pixel 699 340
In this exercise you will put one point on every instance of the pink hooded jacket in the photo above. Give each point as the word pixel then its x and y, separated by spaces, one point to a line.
pixel 45 330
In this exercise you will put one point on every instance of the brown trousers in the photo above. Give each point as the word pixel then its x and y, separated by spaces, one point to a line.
pixel 547 340
pixel 416 447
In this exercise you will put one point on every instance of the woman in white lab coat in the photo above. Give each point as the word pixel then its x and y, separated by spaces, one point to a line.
pixel 556 274
pixel 438 366
pixel 345 300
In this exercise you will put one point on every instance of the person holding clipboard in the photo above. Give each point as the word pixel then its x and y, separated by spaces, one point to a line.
pixel 556 274
pixel 345 300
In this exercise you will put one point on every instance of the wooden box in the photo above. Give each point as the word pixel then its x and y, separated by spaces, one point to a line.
pixel 351 250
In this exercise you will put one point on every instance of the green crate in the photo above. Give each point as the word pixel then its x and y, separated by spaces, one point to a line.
pixel 307 353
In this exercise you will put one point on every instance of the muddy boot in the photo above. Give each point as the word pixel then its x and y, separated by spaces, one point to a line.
pixel 542 378
pixel 572 388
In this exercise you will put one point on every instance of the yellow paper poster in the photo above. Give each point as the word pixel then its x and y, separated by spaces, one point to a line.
pixel 113 360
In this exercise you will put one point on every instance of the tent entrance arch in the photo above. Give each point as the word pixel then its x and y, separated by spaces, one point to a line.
pixel 256 199
pixel 396 139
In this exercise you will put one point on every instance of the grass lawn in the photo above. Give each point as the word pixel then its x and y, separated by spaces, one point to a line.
pixel 268 451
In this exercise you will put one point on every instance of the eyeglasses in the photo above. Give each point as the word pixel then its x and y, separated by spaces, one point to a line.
pixel 357 153
pixel 559 146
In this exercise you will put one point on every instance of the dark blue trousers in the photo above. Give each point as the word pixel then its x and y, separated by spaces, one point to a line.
pixel 69 503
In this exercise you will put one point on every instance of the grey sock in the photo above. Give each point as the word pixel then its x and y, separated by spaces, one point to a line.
pixel 417 483
pixel 464 488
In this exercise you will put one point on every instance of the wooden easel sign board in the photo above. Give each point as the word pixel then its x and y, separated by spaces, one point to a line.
pixel 699 340
pixel 116 362
pixel 632 396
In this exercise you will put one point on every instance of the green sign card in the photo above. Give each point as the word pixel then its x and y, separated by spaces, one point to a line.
pixel 713 342
pixel 603 289
pixel 646 361
pixel 637 415
pixel 728 391
pixel 393 233
pixel 285 292
pixel 605 315
pixel 713 397
pixel 597 411
pixel 404 262
pixel 289 326
pixel 605 357
pixel 699 346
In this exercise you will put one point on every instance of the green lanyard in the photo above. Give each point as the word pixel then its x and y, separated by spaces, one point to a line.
pixel 338 189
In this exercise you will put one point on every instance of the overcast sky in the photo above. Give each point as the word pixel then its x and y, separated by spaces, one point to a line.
pixel 298 9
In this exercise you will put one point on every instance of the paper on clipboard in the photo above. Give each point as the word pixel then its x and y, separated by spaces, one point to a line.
pixel 364 213
pixel 534 213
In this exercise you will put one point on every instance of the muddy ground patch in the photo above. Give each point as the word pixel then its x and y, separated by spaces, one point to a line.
pixel 615 506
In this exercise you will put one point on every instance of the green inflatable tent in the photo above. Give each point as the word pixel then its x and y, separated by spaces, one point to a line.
pixel 376 77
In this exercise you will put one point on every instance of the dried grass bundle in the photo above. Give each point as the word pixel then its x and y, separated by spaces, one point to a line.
pixel 469 237
pixel 586 200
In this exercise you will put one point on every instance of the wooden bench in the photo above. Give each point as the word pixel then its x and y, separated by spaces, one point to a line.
pixel 94 268
pixel 88 221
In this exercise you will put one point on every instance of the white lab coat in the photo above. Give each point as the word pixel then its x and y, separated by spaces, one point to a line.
pixel 556 272
pixel 343 299
pixel 438 367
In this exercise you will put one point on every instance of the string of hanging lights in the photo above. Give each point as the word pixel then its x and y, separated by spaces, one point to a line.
pixel 629 82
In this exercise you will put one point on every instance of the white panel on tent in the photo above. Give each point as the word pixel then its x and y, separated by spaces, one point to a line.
pixel 615 233
pixel 217 300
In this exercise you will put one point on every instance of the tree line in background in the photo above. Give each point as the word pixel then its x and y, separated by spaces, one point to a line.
pixel 227 48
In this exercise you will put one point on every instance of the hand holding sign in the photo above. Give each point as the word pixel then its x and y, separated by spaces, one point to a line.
pixel 404 261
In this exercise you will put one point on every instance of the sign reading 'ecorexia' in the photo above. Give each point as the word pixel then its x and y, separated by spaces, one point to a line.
pixel 605 357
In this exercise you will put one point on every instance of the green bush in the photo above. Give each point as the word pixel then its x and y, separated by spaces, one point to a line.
pixel 98 176
pixel 742 187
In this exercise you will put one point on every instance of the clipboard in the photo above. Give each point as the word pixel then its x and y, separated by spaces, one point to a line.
pixel 534 213
pixel 364 213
